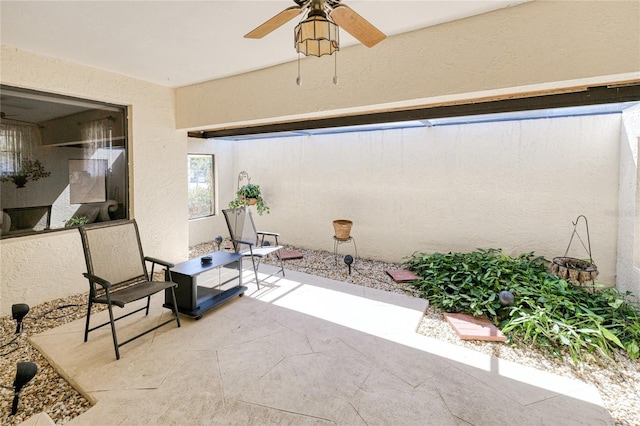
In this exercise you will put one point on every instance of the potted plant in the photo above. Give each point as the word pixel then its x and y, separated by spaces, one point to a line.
pixel 249 195
pixel 29 170
pixel 76 221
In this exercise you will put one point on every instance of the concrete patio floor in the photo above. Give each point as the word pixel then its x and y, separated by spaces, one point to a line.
pixel 305 350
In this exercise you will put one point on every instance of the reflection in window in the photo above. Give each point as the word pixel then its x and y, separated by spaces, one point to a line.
pixel 201 186
pixel 60 157
pixel 16 140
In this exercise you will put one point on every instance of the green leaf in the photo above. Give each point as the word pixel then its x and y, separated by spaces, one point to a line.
pixel 610 336
pixel 632 349
pixel 616 304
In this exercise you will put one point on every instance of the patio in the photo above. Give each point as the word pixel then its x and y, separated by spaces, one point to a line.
pixel 307 350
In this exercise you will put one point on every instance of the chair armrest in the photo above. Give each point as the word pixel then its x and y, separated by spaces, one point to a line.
pixel 104 283
pixel 159 262
pixel 270 234
pixel 273 234
pixel 155 262
pixel 249 243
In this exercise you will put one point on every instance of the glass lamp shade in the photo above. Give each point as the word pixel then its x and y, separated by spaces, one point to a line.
pixel 316 36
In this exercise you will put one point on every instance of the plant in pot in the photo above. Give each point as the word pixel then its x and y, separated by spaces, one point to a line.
pixel 76 221
pixel 249 195
pixel 29 170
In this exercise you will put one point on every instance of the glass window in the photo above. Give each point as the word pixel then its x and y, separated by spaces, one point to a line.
pixel 201 186
pixel 63 162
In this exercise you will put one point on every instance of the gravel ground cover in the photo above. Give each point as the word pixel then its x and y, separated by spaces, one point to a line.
pixel 47 391
pixel 618 381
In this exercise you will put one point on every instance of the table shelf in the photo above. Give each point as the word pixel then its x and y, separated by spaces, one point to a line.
pixel 193 299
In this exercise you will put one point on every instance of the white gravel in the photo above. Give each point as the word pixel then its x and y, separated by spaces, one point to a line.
pixel 47 391
pixel 618 381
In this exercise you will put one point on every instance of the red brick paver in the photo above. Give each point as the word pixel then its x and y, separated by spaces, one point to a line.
pixel 402 275
pixel 471 328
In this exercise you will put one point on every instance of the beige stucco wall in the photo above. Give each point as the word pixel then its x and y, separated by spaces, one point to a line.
pixel 628 211
pixel 38 268
pixel 512 185
pixel 533 43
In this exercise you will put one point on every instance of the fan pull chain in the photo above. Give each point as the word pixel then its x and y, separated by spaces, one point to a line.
pixel 335 72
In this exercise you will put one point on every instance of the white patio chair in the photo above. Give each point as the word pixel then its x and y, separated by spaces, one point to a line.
pixel 249 242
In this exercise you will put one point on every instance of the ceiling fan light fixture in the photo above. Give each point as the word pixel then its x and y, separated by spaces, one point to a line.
pixel 316 36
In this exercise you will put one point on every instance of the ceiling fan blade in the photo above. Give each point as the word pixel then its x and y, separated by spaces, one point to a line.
pixel 357 26
pixel 275 22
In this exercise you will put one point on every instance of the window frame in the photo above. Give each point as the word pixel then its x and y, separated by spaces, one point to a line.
pixel 212 185
pixel 61 120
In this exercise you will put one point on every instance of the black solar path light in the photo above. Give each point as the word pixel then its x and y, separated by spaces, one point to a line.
pixel 19 311
pixel 25 372
pixel 348 259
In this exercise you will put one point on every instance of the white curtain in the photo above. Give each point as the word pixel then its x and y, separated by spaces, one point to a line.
pixel 97 135
pixel 16 142
pixel 97 132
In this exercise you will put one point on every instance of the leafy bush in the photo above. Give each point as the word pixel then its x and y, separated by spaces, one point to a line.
pixel 548 311
pixel 76 221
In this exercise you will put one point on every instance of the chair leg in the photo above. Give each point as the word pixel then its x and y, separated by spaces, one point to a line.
pixel 113 332
pixel 281 264
pixel 255 270
pixel 148 304
pixel 86 328
pixel 175 305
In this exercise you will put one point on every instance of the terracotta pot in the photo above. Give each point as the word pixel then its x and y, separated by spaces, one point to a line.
pixel 342 228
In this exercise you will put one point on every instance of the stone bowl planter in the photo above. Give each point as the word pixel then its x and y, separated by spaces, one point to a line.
pixel 574 270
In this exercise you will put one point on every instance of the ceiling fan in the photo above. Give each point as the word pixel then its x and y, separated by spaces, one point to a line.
pixel 345 18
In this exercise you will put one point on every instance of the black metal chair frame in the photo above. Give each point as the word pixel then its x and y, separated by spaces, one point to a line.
pixel 256 247
pixel 102 291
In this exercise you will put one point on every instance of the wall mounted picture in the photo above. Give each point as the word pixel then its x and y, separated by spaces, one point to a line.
pixel 87 181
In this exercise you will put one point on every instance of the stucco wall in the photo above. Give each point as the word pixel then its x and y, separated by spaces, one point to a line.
pixel 44 267
pixel 532 43
pixel 207 228
pixel 512 185
pixel 628 211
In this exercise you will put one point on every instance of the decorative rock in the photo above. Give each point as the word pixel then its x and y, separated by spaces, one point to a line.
pixel 506 298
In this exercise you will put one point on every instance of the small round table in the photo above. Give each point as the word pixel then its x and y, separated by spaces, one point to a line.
pixel 337 241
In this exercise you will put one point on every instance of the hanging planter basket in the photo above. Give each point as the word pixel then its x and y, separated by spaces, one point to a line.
pixel 577 271
pixel 574 270
pixel 251 201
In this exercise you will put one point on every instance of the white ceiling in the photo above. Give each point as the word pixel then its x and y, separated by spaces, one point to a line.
pixel 177 43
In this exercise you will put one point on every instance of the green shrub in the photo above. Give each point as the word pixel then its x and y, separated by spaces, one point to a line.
pixel 548 311
pixel 76 221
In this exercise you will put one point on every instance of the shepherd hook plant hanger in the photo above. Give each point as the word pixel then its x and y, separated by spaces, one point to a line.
pixel 575 233
pixel 243 175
